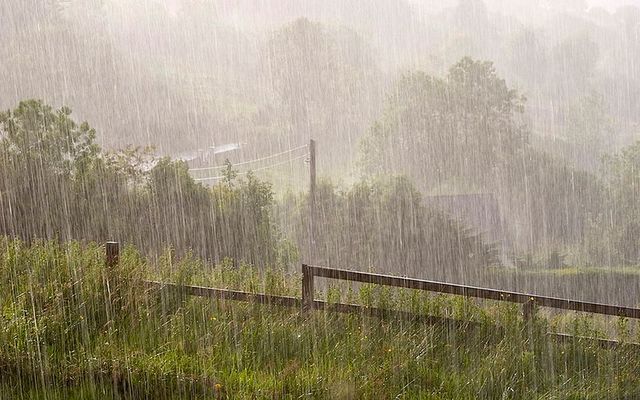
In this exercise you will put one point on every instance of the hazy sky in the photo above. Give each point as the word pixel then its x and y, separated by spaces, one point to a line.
pixel 611 5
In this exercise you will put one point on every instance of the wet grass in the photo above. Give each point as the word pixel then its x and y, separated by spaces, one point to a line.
pixel 70 331
pixel 578 270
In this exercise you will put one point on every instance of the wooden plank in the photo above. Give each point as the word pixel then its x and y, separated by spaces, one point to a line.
pixel 294 302
pixel 225 294
pixel 477 292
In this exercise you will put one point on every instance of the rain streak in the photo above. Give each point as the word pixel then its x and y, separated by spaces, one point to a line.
pixel 319 199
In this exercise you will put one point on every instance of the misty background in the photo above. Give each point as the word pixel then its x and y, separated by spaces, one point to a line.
pixel 184 74
pixel 516 119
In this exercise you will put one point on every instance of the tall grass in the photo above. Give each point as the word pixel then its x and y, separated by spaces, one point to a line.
pixel 65 334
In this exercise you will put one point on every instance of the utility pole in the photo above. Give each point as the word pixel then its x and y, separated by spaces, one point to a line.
pixel 312 172
pixel 312 199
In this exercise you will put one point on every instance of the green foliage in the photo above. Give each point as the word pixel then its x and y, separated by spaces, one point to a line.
pixel 551 258
pixel 383 224
pixel 466 130
pixel 37 135
pixel 619 222
pixel 590 131
pixel 463 125
pixel 229 173
pixel 55 182
pixel 552 199
pixel 60 338
pixel 325 79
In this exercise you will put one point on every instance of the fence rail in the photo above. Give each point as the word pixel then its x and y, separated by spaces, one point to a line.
pixel 226 294
pixel 528 300
pixel 296 302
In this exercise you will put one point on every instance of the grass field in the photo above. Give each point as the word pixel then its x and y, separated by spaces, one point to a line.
pixel 65 333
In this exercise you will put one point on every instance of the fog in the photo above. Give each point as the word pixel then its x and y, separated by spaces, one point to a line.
pixel 225 143
pixel 127 66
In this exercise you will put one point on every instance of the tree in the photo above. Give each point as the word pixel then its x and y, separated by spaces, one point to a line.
pixel 590 129
pixel 55 182
pixel 46 160
pixel 463 126
pixel 573 62
pixel 384 224
pixel 464 132
pixel 622 224
pixel 324 78
pixel 527 58
pixel 35 132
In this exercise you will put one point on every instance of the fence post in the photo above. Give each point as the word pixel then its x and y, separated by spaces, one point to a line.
pixel 307 288
pixel 112 258
pixel 528 310
pixel 112 255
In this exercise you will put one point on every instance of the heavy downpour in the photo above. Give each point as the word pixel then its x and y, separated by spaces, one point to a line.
pixel 319 199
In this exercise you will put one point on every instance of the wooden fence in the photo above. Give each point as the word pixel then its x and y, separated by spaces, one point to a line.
pixel 308 303
pixel 527 300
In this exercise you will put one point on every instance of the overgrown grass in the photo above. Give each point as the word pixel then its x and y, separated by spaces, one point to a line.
pixel 69 332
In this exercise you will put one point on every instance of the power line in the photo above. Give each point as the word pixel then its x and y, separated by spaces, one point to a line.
pixel 255 170
pixel 282 162
pixel 250 161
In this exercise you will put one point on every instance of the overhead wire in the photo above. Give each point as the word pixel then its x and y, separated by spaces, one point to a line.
pixel 251 161
pixel 255 170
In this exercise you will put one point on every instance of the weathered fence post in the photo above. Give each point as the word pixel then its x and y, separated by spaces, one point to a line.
pixel 112 258
pixel 528 310
pixel 112 255
pixel 307 288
